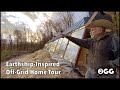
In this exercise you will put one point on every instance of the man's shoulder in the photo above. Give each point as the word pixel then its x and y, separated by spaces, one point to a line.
pixel 116 36
pixel 112 36
pixel 115 39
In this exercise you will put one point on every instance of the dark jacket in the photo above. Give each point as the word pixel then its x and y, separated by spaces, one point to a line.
pixel 100 51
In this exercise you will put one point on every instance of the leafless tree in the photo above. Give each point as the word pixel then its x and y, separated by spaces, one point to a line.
pixel 10 42
pixel 18 38
pixel 53 27
pixel 66 19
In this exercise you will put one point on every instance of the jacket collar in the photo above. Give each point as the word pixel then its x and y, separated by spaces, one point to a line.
pixel 107 34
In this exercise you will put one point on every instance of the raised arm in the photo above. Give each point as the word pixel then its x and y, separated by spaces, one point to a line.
pixel 81 42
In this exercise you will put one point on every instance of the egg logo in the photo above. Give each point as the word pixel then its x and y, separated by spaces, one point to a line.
pixel 105 71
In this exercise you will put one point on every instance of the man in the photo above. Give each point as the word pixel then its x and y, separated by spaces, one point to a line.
pixel 103 47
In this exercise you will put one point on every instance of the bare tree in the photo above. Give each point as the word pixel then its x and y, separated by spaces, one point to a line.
pixel 67 20
pixel 56 26
pixel 48 30
pixel 24 40
pixel 18 38
pixel 10 42
pixel 3 44
pixel 52 27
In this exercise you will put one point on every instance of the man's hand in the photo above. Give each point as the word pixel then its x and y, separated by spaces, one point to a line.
pixel 63 35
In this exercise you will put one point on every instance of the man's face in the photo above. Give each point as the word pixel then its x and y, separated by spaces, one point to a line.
pixel 95 32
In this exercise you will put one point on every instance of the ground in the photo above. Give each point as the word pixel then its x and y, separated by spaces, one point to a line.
pixel 63 71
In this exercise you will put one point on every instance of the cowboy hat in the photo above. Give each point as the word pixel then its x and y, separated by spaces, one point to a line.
pixel 101 20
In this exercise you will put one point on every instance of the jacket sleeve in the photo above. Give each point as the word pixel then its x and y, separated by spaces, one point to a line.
pixel 115 44
pixel 81 42
pixel 116 63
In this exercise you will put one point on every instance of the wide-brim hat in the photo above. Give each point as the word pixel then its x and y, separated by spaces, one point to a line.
pixel 101 20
